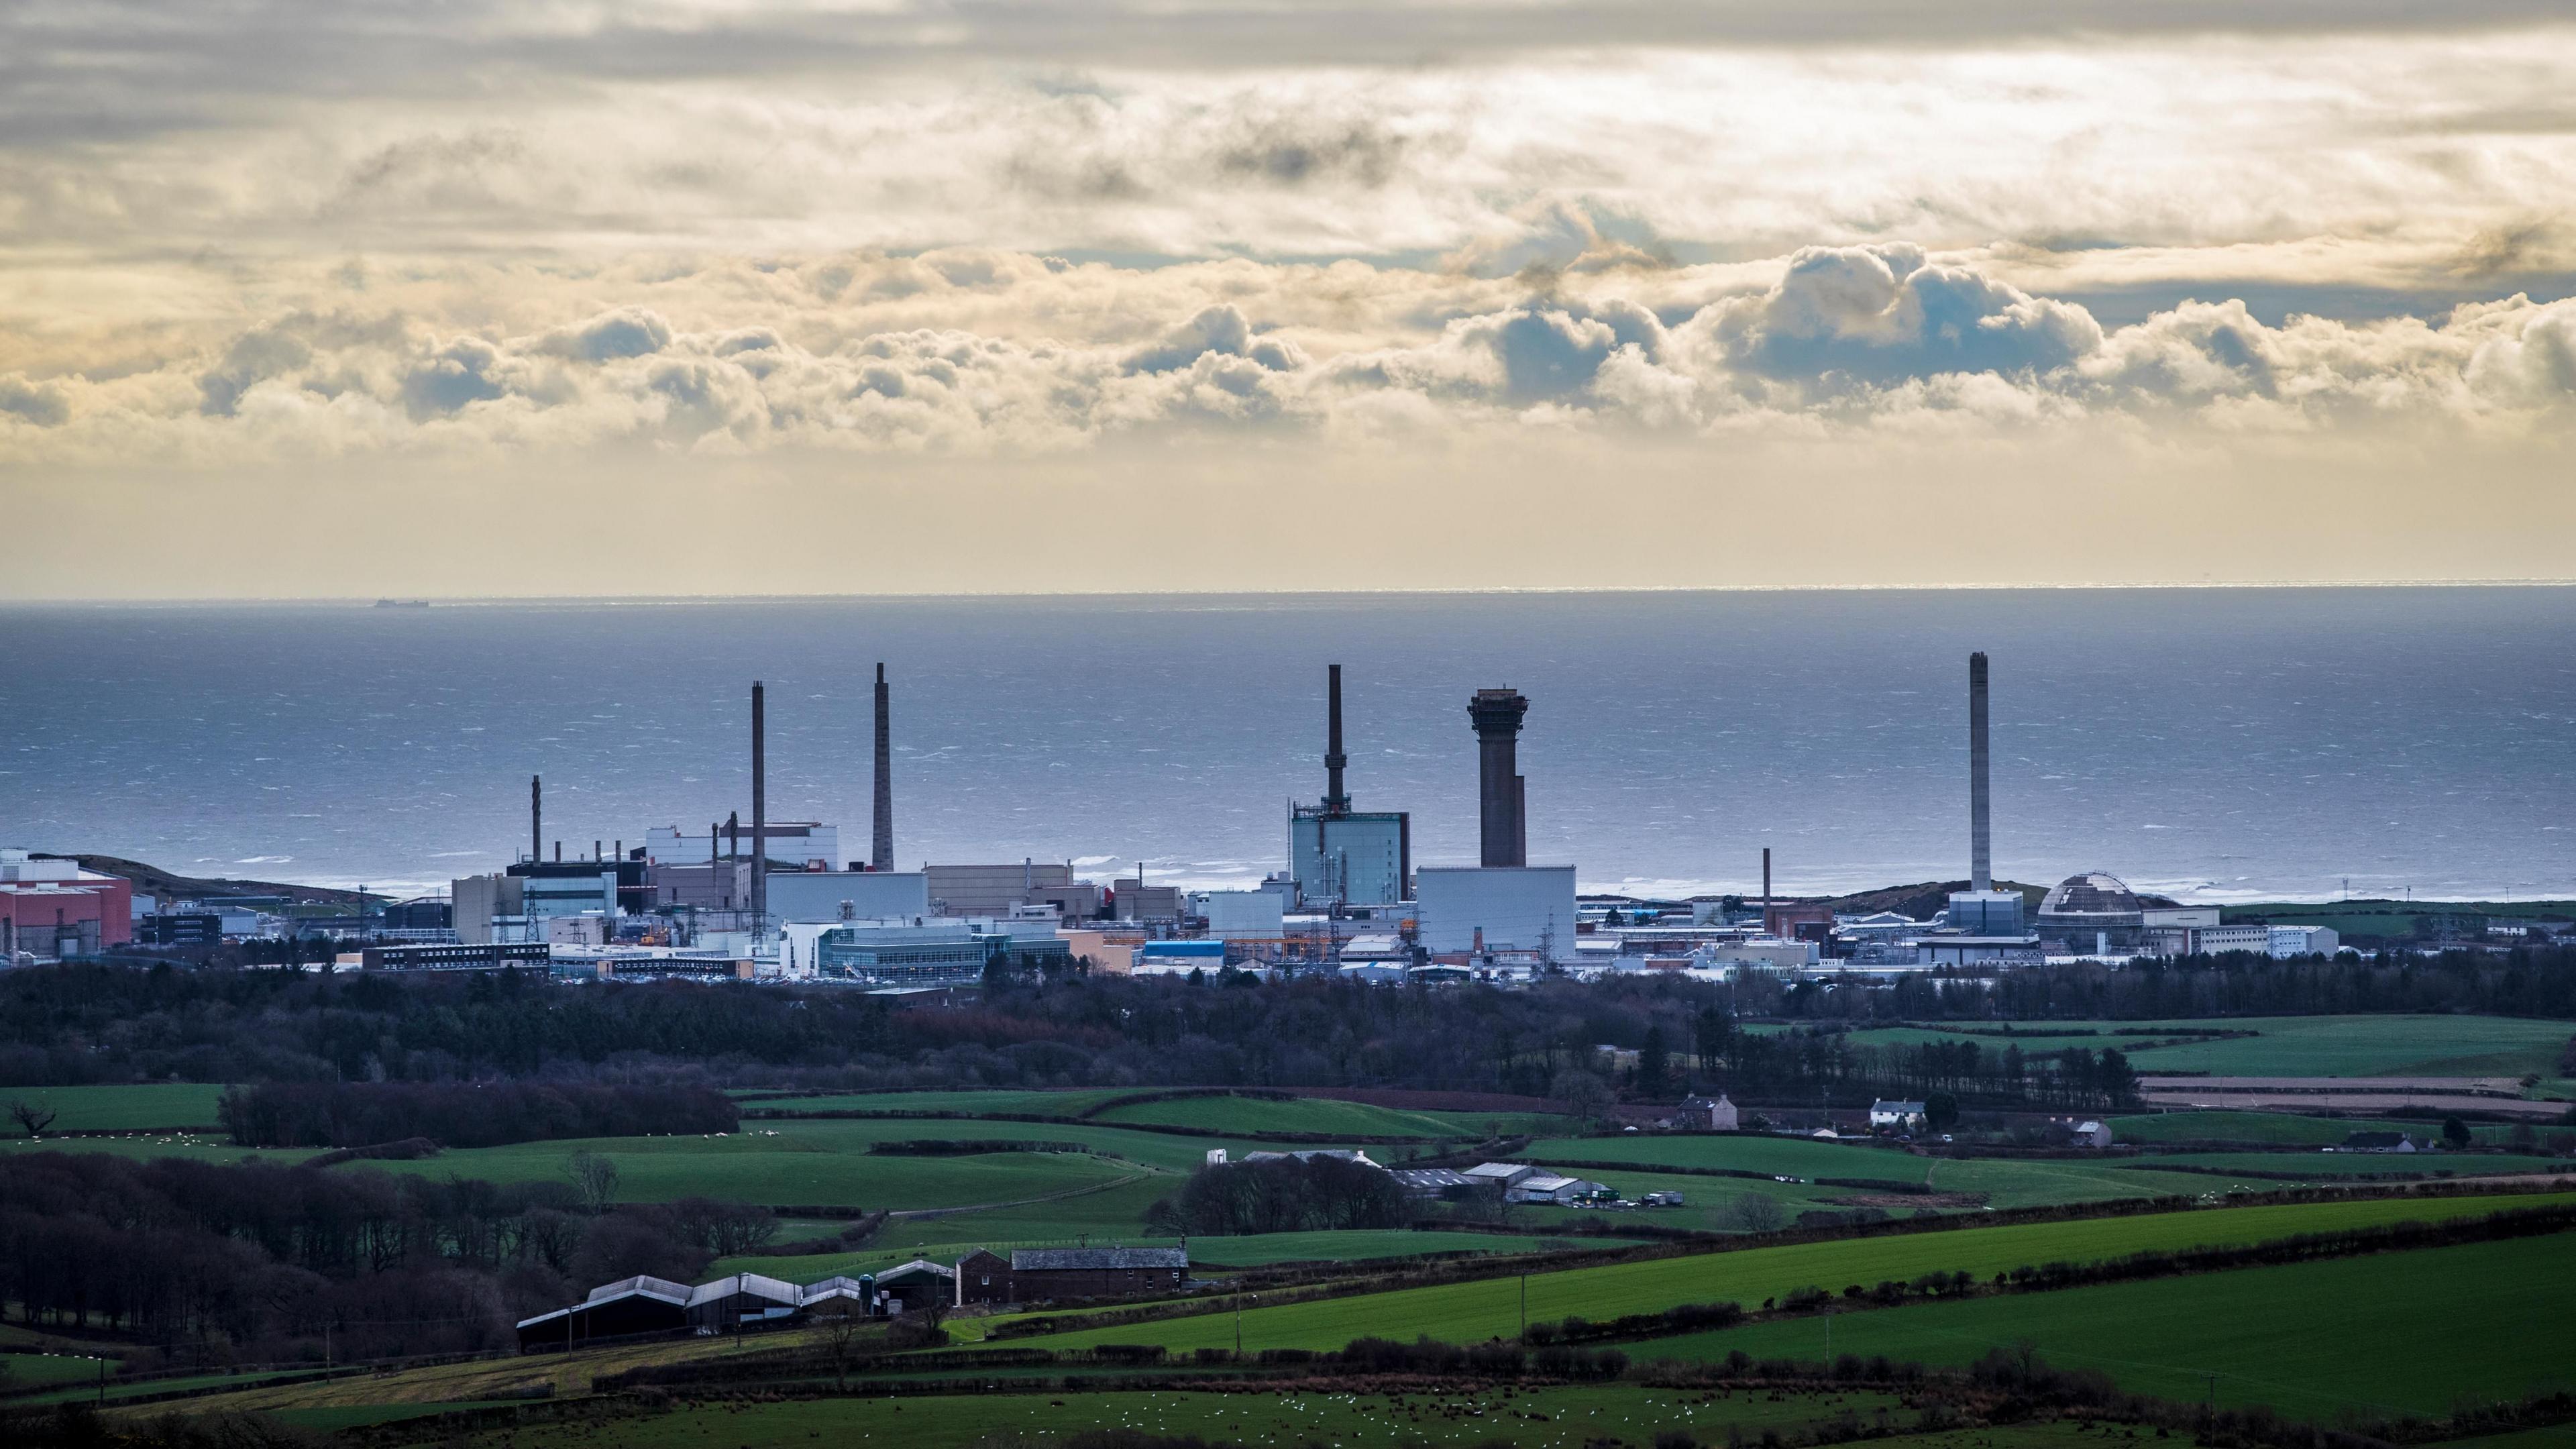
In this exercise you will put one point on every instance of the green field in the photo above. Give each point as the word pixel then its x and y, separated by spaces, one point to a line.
pixel 2318 1166
pixel 1253 1250
pixel 1573 1417
pixel 1324 1116
pixel 1468 1312
pixel 2292 1046
pixel 333 1419
pixel 2284 1129
pixel 117 1109
pixel 2004 1182
pixel 196 1147
pixel 20 1371
pixel 1070 1103
pixel 2390 1333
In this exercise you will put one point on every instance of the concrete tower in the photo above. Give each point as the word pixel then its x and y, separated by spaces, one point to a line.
pixel 881 851
pixel 1337 802
pixel 759 814
pixel 1981 860
pixel 1496 714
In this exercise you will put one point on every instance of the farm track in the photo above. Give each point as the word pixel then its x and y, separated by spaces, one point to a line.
pixel 984 1207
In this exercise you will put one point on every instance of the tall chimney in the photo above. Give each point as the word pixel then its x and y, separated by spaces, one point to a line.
pixel 1981 875
pixel 536 817
pixel 759 815
pixel 1766 888
pixel 1496 714
pixel 1335 802
pixel 881 855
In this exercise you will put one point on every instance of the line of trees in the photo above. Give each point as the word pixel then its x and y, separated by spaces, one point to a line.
pixel 1282 1195
pixel 464 1114
pixel 84 1023
pixel 258 1263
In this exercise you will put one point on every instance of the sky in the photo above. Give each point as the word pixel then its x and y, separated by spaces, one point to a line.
pixel 721 296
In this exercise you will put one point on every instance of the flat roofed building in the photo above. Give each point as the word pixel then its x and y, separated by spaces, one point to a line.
pixel 847 895
pixel 992 890
pixel 53 907
pixel 1516 907
pixel 1361 858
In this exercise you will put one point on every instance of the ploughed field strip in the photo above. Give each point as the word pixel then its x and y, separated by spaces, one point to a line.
pixel 1492 1308
pixel 1542 1418
pixel 2380 1335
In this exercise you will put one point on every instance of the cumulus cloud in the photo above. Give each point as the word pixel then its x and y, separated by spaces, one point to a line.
pixel 984 353
pixel 32 402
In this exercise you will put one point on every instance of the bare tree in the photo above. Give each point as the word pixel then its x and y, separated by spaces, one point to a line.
pixel 841 1339
pixel 1758 1212
pixel 594 1176
pixel 32 1117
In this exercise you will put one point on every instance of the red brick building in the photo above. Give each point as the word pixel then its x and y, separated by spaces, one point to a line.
pixel 54 908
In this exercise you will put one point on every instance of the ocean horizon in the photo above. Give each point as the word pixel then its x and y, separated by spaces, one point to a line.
pixel 2208 742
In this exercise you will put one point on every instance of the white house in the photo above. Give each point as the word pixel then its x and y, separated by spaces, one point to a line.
pixel 1899 1116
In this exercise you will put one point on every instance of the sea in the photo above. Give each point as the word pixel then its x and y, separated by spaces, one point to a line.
pixel 2211 744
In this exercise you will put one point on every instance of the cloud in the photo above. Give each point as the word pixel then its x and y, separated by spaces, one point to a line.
pixel 1882 314
pixel 37 403
pixel 997 354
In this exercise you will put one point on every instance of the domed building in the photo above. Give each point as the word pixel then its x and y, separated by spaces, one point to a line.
pixel 2091 914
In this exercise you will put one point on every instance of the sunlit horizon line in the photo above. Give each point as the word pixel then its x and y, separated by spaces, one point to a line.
pixel 683 600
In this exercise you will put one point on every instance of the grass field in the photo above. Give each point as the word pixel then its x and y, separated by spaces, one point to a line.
pixel 360 1416
pixel 1252 1250
pixel 1219 1115
pixel 2296 1046
pixel 1069 1103
pixel 197 1147
pixel 2316 1166
pixel 27 1370
pixel 2283 1129
pixel 2390 1333
pixel 119 1108
pixel 1573 1417
pixel 2006 1183
pixel 1469 1312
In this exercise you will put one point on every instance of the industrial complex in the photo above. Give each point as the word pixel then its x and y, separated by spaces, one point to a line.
pixel 759 899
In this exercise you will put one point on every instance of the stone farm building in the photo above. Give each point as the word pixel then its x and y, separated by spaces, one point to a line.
pixel 1034 1275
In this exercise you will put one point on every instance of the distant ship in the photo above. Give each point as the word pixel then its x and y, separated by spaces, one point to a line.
pixel 402 603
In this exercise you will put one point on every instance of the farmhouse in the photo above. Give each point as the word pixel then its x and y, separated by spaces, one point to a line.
pixel 1706 1114
pixel 1032 1275
pixel 1898 1116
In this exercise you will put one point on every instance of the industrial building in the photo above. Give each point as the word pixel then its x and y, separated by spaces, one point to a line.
pixel 1983 926
pixel 517 904
pixel 2093 914
pixel 994 890
pixel 1487 908
pixel 51 907
pixel 1338 856
pixel 928 951
pixel 847 895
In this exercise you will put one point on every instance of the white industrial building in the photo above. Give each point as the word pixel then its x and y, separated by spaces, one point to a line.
pixel 1351 858
pixel 1497 907
pixel 847 895
pixel 2289 941
pixel 516 908
pixel 1245 915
